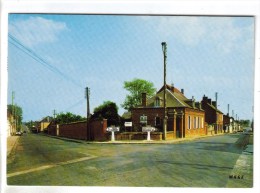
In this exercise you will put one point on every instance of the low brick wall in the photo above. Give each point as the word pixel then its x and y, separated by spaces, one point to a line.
pixel 137 136
pixel 170 135
pixel 195 133
pixel 79 130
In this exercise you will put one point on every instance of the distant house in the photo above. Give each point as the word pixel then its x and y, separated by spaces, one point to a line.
pixel 213 116
pixel 11 124
pixel 43 124
pixel 185 117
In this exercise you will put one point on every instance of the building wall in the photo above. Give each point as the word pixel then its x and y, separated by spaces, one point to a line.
pixel 180 123
pixel 76 130
pixel 213 117
pixel 151 113
pixel 43 125
pixel 195 123
pixel 79 130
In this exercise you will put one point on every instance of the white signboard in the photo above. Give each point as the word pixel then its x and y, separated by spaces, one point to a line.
pixel 146 129
pixel 128 124
pixel 110 129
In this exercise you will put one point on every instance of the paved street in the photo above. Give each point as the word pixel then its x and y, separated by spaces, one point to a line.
pixel 208 162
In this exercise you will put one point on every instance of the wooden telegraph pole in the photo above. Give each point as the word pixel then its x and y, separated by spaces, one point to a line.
pixel 164 49
pixel 88 113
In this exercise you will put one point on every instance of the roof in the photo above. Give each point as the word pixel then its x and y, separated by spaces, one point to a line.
pixel 174 98
pixel 127 115
pixel 47 119
pixel 213 107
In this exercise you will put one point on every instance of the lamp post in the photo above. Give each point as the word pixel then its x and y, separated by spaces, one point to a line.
pixel 164 49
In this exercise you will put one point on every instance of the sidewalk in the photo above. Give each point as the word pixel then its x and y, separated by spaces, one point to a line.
pixel 11 143
pixel 170 141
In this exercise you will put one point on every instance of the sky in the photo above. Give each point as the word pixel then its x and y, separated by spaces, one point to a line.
pixel 52 58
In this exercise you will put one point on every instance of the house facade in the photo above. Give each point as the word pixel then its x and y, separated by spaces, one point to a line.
pixel 213 116
pixel 43 124
pixel 11 124
pixel 185 117
pixel 228 124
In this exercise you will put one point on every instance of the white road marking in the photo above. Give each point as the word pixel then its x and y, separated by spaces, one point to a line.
pixel 49 166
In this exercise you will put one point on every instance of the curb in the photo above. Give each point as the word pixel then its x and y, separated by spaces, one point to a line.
pixel 117 142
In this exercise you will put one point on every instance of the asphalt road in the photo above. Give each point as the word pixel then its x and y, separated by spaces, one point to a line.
pixel 207 162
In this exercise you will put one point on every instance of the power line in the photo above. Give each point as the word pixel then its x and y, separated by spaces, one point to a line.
pixel 75 104
pixel 39 59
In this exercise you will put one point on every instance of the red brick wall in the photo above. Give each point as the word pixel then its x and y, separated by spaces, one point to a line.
pixel 194 113
pixel 52 129
pixel 76 130
pixel 136 136
pixel 151 113
pixel 79 130
pixel 98 130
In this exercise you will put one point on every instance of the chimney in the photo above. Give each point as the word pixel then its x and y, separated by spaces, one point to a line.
pixel 205 99
pixel 172 87
pixel 144 99
pixel 209 101
pixel 182 91
pixel 193 102
pixel 214 103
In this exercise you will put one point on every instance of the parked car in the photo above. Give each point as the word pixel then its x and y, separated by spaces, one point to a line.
pixel 18 133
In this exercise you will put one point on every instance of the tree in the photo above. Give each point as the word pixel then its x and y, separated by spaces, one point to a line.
pixel 136 87
pixel 108 110
pixel 68 117
pixel 17 114
pixel 244 123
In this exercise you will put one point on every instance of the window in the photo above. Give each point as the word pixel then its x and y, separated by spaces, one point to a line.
pixel 195 123
pixel 189 122
pixel 143 119
pixel 157 121
pixel 157 102
pixel 199 122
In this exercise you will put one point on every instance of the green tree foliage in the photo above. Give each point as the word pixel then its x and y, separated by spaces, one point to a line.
pixel 244 123
pixel 136 87
pixel 17 114
pixel 108 110
pixel 68 117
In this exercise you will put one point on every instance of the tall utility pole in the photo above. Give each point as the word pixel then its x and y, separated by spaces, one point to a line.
pixel 164 49
pixel 228 110
pixel 13 115
pixel 88 113
pixel 87 97
pixel 216 95
pixel 54 114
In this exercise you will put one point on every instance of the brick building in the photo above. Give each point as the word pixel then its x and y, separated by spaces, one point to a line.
pixel 185 117
pixel 228 123
pixel 213 116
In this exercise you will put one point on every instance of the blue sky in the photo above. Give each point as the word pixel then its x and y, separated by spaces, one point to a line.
pixel 205 55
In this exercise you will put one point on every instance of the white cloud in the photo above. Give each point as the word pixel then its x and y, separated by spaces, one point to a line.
pixel 221 32
pixel 36 30
pixel 186 29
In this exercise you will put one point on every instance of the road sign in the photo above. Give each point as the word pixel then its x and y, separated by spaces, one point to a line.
pixel 110 129
pixel 148 128
pixel 128 124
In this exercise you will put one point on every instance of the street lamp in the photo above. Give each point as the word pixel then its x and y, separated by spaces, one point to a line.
pixel 164 49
